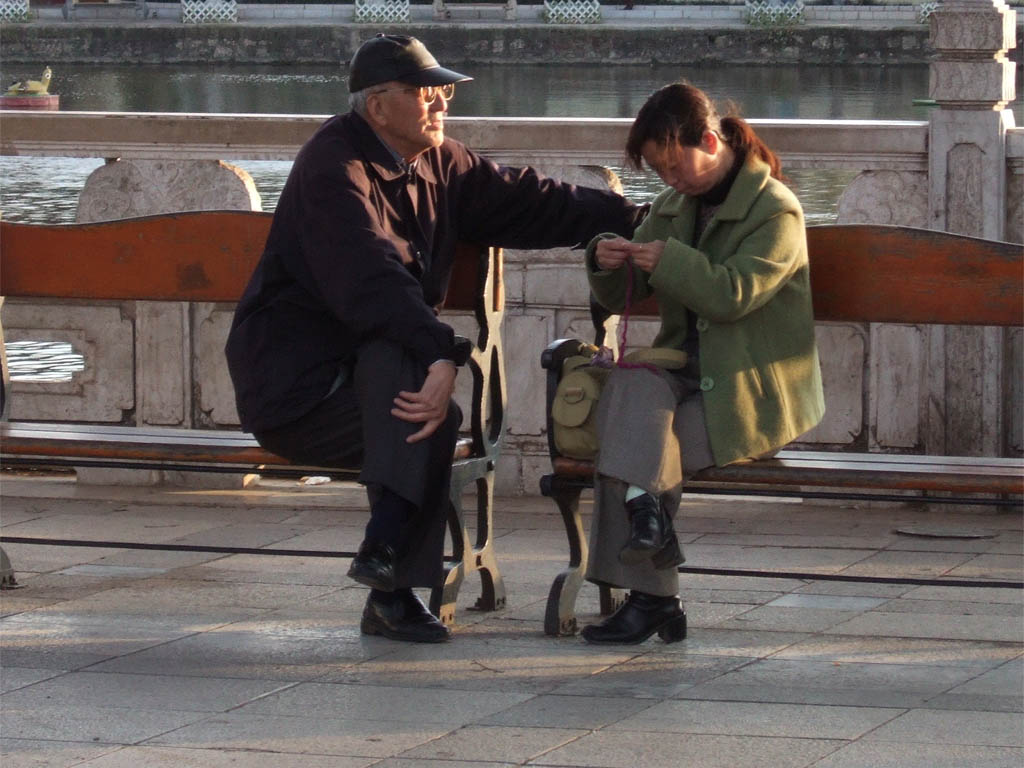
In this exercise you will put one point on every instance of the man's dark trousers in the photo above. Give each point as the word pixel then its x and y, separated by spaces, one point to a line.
pixel 353 427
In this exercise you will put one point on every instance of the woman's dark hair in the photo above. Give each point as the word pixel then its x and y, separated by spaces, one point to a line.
pixel 681 113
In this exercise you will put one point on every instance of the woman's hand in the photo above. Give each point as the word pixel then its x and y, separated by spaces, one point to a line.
pixel 429 406
pixel 647 255
pixel 612 253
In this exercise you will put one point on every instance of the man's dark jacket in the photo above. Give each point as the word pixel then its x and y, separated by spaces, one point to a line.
pixel 361 248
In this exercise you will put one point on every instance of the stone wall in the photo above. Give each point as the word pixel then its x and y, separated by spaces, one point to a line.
pixel 162 43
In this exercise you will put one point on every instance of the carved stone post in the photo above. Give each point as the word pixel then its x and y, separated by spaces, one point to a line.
pixel 168 348
pixel 972 82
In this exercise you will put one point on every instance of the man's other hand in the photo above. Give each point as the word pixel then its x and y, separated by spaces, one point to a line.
pixel 429 406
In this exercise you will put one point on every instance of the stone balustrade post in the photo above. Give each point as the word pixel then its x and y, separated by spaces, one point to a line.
pixel 176 346
pixel 972 81
pixel 975 408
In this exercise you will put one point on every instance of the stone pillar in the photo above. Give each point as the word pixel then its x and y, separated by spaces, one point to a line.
pixel 169 353
pixel 972 81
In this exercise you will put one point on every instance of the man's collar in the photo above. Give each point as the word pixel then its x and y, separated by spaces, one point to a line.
pixel 386 161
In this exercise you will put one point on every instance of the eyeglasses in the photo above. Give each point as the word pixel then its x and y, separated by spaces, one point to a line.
pixel 428 93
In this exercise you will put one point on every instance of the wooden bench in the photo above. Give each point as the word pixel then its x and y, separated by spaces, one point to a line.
pixel 859 273
pixel 208 257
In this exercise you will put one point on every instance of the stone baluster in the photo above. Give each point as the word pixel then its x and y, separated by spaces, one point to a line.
pixel 975 408
pixel 972 81
pixel 178 358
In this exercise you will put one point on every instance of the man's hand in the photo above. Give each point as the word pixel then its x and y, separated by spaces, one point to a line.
pixel 429 406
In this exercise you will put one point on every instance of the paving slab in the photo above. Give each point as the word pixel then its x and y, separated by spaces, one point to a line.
pixel 952 608
pixel 784 618
pixel 388 703
pixel 998 690
pixel 307 734
pixel 109 725
pixel 245 655
pixel 831 683
pixel 588 712
pixel 167 757
pixel 734 718
pixel 96 689
pixel 977 655
pixel 37 753
pixel 43 644
pixel 939 626
pixel 656 675
pixel 916 755
pixel 929 726
pixel 503 743
pixel 610 749
pixel 480 665
pixel 419 762
pixel 12 678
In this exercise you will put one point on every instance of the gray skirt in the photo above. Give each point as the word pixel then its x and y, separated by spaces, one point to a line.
pixel 652 434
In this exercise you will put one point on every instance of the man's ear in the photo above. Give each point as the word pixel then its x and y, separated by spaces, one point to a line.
pixel 376 111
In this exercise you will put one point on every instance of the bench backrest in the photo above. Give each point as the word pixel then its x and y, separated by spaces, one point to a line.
pixel 875 273
pixel 197 256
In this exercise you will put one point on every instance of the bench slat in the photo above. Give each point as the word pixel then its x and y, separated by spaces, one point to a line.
pixel 848 470
pixel 111 443
pixel 874 273
pixel 194 256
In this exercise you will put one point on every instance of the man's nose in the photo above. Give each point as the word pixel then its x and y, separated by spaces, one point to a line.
pixel 439 104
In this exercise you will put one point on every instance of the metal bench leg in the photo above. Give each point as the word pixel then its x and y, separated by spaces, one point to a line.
pixel 444 596
pixel 492 586
pixel 481 557
pixel 560 616
pixel 611 599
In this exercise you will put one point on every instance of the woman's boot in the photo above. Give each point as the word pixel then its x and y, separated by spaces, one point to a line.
pixel 640 617
pixel 646 529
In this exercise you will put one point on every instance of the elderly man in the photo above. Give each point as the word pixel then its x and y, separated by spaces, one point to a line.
pixel 336 352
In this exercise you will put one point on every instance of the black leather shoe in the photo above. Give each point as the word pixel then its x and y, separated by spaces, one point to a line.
pixel 646 529
pixel 640 617
pixel 374 566
pixel 403 618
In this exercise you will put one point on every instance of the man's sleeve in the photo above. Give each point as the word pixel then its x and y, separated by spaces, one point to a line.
pixel 520 208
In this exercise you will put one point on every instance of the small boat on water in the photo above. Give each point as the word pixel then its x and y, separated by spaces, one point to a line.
pixel 31 94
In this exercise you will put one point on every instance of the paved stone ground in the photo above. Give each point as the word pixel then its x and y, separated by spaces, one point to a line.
pixel 127 658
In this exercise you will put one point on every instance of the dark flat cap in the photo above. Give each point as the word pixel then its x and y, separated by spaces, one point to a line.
pixel 384 58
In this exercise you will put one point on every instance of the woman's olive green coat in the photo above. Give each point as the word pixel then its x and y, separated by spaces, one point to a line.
pixel 748 283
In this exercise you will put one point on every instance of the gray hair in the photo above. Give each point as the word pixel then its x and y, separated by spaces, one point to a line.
pixel 357 101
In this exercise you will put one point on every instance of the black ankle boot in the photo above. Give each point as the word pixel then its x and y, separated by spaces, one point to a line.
pixel 646 529
pixel 640 617
pixel 671 554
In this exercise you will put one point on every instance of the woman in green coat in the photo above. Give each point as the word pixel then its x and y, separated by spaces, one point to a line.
pixel 724 251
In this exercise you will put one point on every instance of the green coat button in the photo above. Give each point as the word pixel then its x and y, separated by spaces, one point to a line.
pixel 702 324
pixel 707 384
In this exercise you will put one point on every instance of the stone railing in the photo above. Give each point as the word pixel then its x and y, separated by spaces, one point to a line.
pixel 178 157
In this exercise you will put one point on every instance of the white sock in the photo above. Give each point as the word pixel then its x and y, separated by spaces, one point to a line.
pixel 635 491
